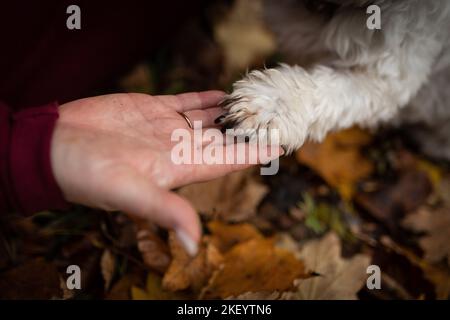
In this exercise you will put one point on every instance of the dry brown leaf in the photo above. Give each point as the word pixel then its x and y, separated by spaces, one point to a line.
pixel 225 236
pixel 67 294
pixel 438 276
pixel 122 288
pixel 243 36
pixel 261 295
pixel 107 267
pixel 338 159
pixel 407 161
pixel 443 190
pixel 187 272
pixel 155 252
pixel 436 223
pixel 232 198
pixel 255 265
pixel 34 279
pixel 441 279
pixel 339 278
pixel 405 195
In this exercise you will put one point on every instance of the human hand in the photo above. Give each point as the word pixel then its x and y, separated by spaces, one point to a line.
pixel 113 152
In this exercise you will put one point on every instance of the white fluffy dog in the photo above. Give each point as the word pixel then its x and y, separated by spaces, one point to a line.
pixel 344 74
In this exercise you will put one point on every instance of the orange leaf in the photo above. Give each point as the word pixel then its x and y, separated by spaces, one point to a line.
pixel 224 236
pixel 255 265
pixel 187 272
pixel 338 159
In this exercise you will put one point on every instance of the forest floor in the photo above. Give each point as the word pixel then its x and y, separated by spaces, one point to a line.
pixel 311 231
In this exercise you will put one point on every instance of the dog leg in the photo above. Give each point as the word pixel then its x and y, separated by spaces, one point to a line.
pixel 363 87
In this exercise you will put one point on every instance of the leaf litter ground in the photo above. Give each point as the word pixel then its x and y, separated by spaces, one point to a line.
pixel 309 232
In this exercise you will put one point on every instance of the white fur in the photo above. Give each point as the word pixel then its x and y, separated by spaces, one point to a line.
pixel 349 74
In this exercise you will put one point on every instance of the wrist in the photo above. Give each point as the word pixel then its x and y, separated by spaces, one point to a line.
pixel 31 180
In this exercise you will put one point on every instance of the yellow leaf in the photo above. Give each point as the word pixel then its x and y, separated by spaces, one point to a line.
pixel 433 172
pixel 138 294
pixel 154 290
pixel 338 159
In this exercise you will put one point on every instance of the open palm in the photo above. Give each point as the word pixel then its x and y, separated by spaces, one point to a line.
pixel 114 152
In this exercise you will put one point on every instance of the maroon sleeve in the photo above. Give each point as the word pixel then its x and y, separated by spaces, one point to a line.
pixel 27 184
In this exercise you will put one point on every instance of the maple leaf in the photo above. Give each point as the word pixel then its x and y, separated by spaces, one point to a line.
pixel 338 159
pixel 338 278
pixel 232 198
pixel 436 224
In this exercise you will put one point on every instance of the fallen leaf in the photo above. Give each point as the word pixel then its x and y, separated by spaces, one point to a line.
pixel 438 276
pixel 35 279
pixel 255 265
pixel 190 272
pixel 443 190
pixel 436 224
pixel 405 195
pixel 232 198
pixel 67 294
pixel 155 252
pixel 338 278
pixel 261 295
pixel 122 288
pixel 242 49
pixel 407 161
pixel 154 290
pixel 338 159
pixel 433 172
pixel 225 236
pixel 107 267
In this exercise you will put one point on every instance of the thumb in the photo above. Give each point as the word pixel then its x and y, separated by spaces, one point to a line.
pixel 141 198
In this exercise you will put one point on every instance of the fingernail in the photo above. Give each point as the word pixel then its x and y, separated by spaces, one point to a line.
pixel 219 119
pixel 188 243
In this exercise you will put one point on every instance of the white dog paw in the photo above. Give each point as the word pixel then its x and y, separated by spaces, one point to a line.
pixel 273 99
